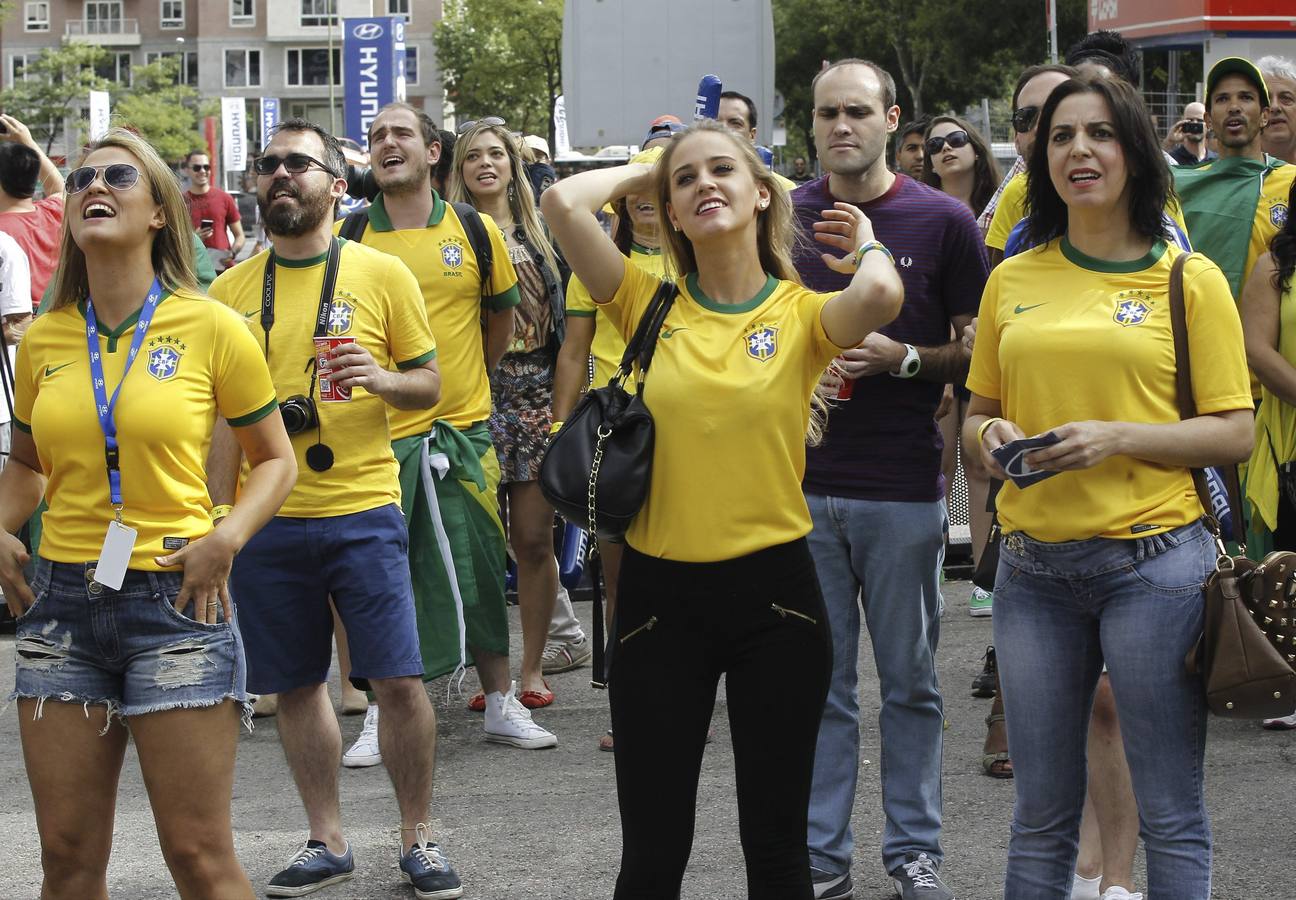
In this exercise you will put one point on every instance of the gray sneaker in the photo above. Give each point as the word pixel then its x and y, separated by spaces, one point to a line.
pixel 828 886
pixel 917 880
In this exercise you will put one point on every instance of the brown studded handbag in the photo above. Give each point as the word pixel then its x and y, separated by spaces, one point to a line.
pixel 1246 656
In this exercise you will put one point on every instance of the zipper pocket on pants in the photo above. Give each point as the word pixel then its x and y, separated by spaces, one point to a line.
pixel 646 626
pixel 785 612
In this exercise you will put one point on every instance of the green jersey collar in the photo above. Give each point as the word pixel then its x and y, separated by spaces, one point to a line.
pixel 380 221
pixel 1093 264
pixel 707 303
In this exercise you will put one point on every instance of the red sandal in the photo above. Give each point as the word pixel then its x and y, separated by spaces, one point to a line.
pixel 537 699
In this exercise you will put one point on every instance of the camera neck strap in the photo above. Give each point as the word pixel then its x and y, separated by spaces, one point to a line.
pixel 326 293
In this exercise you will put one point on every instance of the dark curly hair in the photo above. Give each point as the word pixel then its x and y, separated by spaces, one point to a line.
pixel 1150 183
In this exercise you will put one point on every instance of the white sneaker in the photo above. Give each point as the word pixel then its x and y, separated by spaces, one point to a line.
pixel 364 752
pixel 509 722
pixel 1085 888
pixel 565 656
pixel 1119 893
pixel 1285 723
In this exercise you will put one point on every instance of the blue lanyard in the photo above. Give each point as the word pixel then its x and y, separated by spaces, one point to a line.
pixel 104 407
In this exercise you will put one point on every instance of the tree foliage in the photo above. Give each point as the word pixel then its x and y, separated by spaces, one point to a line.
pixel 503 58
pixel 944 54
pixel 164 112
pixel 55 85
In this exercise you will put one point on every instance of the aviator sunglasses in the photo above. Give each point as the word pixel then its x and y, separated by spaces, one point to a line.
pixel 293 163
pixel 118 176
pixel 495 121
pixel 956 140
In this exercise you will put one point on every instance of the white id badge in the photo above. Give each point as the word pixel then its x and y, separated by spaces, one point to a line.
pixel 114 558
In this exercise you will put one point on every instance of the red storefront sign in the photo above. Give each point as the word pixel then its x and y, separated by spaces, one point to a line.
pixel 1141 19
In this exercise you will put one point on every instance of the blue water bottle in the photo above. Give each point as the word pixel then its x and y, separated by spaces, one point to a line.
pixel 571 560
pixel 707 104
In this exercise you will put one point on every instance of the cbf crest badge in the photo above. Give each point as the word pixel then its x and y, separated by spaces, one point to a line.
pixel 341 316
pixel 762 342
pixel 1132 308
pixel 1278 215
pixel 164 361
pixel 452 254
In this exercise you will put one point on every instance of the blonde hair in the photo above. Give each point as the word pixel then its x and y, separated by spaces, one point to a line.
pixel 775 225
pixel 521 199
pixel 173 259
pixel 776 236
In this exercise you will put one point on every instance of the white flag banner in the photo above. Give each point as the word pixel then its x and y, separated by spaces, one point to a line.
pixel 234 133
pixel 562 144
pixel 99 114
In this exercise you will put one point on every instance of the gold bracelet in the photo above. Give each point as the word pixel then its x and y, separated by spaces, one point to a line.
pixel 984 425
pixel 220 512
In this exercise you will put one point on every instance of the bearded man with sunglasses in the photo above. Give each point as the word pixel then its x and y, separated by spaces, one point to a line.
pixel 344 329
pixel 214 213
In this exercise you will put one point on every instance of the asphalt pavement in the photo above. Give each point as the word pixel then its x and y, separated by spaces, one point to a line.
pixel 542 825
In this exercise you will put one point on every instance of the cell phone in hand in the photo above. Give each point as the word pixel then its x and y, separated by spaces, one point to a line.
pixel 1012 456
pixel 206 223
pixel 1194 127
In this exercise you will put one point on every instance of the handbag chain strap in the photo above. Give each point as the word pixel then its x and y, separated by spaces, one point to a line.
pixel 1188 410
pixel 604 432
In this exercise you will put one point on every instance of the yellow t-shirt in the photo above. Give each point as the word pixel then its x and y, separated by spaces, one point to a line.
pixel 442 259
pixel 197 360
pixel 1011 208
pixel 729 389
pixel 377 302
pixel 608 345
pixel 1063 338
pixel 1270 215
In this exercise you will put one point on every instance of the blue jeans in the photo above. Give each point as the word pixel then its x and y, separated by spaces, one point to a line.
pixel 1061 611
pixel 890 550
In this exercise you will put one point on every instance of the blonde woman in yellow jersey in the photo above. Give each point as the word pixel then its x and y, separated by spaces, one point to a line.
pixel 1104 561
pixel 717 577
pixel 132 357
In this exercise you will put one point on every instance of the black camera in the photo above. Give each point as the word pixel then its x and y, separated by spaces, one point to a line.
pixel 1194 127
pixel 299 414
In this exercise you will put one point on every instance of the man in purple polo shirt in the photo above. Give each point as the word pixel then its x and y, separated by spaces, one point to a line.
pixel 875 488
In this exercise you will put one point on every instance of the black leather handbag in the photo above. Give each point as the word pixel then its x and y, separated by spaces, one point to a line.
pixel 598 466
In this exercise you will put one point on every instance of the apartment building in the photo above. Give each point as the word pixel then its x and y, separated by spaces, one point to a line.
pixel 230 48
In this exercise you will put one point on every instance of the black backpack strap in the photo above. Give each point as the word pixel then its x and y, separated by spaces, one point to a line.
pixel 475 228
pixel 354 225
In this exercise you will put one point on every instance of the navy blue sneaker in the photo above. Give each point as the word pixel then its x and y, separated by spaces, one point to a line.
pixel 425 867
pixel 828 886
pixel 313 867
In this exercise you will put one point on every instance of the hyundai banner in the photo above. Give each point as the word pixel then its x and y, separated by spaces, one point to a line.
pixel 269 119
pixel 234 133
pixel 373 70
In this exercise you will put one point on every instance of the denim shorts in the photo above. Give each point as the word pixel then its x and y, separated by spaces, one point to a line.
pixel 286 575
pixel 81 642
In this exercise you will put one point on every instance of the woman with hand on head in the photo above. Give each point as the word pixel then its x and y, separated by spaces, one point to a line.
pixel 1104 562
pixel 125 618
pixel 716 577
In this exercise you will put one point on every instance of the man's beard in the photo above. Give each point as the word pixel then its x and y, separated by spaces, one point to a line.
pixel 295 220
pixel 413 180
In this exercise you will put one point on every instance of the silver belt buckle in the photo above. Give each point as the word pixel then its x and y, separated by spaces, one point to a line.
pixel 1015 543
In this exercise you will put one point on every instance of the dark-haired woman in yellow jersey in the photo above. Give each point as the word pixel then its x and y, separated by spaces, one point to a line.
pixel 125 618
pixel 1104 560
pixel 717 577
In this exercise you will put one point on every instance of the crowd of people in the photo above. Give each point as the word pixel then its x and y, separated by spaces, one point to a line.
pixel 219 468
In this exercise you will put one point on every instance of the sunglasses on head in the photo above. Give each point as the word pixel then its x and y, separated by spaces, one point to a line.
pixel 1024 119
pixel 473 123
pixel 201 168
pixel 118 176
pixel 293 163
pixel 955 139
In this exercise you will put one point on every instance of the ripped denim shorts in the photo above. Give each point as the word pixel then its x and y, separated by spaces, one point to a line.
pixel 81 642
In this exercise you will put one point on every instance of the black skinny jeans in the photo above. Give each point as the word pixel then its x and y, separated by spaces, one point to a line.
pixel 760 620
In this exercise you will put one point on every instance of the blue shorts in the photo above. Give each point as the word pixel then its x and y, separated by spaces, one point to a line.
pixel 81 642
pixel 285 576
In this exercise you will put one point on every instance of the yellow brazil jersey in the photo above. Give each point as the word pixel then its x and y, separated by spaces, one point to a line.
pixel 377 303
pixel 1270 215
pixel 197 361
pixel 608 345
pixel 441 258
pixel 1009 211
pixel 729 390
pixel 1063 338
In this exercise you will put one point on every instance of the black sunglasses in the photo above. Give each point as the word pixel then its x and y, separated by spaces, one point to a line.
pixel 293 163
pixel 955 139
pixel 206 168
pixel 1024 119
pixel 118 176
pixel 473 123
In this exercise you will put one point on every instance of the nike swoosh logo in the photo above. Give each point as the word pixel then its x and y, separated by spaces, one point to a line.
pixel 1021 309
pixel 666 334
pixel 248 315
pixel 50 370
